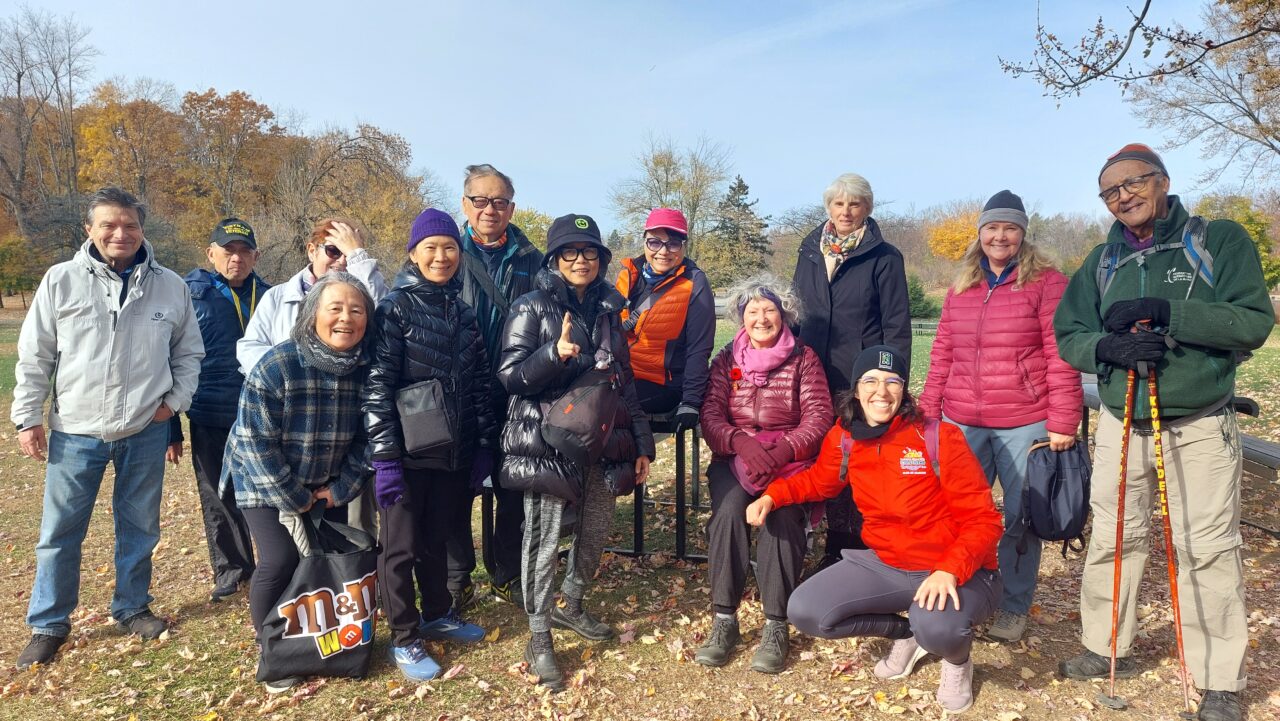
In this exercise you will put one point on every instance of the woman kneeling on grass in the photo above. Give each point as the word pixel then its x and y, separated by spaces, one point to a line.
pixel 931 534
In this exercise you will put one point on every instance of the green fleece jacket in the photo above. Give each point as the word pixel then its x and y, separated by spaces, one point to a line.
pixel 1209 326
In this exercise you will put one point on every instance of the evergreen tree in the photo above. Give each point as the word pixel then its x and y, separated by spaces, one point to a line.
pixel 741 247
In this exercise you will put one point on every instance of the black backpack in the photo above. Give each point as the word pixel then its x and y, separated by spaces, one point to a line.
pixel 1055 496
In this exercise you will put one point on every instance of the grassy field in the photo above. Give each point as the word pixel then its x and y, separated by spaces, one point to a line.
pixel 204 668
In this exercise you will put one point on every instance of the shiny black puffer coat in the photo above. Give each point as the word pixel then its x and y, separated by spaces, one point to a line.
pixel 422 330
pixel 531 371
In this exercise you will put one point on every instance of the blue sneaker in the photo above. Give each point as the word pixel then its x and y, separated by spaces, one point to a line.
pixel 414 661
pixel 451 627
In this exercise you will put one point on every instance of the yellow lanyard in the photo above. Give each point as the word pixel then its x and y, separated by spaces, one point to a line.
pixel 253 303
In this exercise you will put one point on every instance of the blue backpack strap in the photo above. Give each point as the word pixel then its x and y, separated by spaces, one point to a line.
pixel 1107 265
pixel 1201 260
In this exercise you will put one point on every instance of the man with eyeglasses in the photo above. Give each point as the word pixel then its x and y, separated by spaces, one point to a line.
pixel 225 299
pixel 1152 304
pixel 670 320
pixel 498 266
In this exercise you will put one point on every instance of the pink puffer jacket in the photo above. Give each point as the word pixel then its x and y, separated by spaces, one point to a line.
pixel 795 399
pixel 995 362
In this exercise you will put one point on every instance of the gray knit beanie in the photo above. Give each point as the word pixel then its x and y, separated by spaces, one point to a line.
pixel 1004 207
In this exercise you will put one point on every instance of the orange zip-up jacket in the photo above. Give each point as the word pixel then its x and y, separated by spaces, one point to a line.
pixel 914 520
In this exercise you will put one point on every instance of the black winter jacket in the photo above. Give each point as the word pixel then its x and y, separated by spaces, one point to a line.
pixel 422 331
pixel 863 304
pixel 531 372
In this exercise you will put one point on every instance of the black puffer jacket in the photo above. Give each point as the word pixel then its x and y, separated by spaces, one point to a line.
pixel 531 371
pixel 422 331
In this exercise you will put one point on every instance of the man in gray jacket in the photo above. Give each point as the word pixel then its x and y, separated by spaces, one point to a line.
pixel 112 341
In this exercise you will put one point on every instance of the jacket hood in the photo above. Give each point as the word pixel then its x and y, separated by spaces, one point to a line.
pixel 410 278
pixel 87 256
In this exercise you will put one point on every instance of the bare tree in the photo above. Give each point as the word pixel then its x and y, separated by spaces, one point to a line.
pixel 691 180
pixel 43 59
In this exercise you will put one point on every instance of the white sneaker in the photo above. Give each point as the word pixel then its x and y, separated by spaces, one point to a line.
pixel 955 687
pixel 901 660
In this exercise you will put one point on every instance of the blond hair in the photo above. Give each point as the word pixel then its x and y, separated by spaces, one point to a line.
pixel 1031 263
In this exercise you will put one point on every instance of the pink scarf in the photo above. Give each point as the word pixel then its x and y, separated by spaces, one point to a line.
pixel 758 363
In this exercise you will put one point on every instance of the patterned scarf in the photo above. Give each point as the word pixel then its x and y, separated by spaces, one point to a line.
pixel 481 242
pixel 833 246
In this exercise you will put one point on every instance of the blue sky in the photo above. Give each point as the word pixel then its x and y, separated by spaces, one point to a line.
pixel 562 95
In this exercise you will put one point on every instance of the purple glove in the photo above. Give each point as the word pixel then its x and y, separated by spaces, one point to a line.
pixel 780 452
pixel 388 483
pixel 481 468
pixel 753 455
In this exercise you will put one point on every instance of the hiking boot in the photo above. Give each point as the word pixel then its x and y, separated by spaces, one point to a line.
pixel 40 650
pixel 464 598
pixel 281 685
pixel 414 661
pixel 544 666
pixel 584 624
pixel 955 686
pixel 901 661
pixel 1090 665
pixel 508 592
pixel 771 654
pixel 144 624
pixel 720 642
pixel 450 627
pixel 1007 627
pixel 1219 706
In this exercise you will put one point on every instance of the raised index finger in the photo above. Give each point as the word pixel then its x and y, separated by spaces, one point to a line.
pixel 566 328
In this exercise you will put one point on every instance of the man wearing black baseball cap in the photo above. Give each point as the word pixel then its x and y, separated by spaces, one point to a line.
pixel 224 299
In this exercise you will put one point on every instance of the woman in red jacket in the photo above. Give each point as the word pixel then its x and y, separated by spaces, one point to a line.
pixel 931 534
pixel 996 373
pixel 766 409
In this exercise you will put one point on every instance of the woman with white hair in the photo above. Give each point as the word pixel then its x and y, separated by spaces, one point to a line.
pixel 853 286
pixel 765 413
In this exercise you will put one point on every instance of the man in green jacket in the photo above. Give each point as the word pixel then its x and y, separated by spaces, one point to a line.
pixel 1191 321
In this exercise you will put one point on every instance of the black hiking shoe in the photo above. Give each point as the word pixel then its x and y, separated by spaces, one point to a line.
pixel 1219 706
pixel 544 666
pixel 720 642
pixel 771 655
pixel 40 650
pixel 584 624
pixel 1090 665
pixel 144 624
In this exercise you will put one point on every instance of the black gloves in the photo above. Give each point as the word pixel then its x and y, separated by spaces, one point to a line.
pixel 686 417
pixel 1121 316
pixel 1127 350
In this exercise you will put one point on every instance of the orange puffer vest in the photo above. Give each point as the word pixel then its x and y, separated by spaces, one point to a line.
pixel 651 334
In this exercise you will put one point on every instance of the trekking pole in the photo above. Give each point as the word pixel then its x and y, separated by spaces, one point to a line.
pixel 1110 700
pixel 1152 397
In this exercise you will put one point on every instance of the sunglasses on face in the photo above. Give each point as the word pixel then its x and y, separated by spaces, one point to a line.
pixel 1132 185
pixel 672 245
pixel 333 252
pixel 481 202
pixel 569 255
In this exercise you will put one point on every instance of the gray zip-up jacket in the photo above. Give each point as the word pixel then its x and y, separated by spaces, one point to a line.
pixel 107 365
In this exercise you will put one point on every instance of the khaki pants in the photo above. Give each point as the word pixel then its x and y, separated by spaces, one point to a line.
pixel 1202 468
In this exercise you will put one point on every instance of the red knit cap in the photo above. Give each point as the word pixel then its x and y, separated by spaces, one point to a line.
pixel 1135 151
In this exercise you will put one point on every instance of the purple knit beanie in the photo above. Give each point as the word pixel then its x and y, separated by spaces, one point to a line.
pixel 432 222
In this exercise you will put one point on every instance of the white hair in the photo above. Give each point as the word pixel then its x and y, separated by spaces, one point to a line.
pixel 764 287
pixel 852 185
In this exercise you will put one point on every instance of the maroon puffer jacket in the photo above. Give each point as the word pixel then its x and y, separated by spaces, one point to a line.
pixel 995 362
pixel 795 399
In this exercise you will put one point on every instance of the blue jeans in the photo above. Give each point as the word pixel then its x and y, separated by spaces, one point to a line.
pixel 1003 454
pixel 76 466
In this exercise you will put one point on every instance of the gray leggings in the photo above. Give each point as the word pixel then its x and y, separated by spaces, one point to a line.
pixel 862 596
pixel 542 514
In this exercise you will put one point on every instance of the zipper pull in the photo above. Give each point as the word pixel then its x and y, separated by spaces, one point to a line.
pixel 113 321
pixel 990 290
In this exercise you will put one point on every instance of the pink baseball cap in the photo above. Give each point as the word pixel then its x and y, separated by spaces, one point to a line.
pixel 668 218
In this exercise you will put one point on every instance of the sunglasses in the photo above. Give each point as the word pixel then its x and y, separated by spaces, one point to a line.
pixel 569 255
pixel 332 251
pixel 672 245
pixel 481 201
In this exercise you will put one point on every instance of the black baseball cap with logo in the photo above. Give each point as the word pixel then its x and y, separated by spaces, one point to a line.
pixel 230 230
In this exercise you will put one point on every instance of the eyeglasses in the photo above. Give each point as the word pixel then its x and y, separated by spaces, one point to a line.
pixel 672 245
pixel 871 384
pixel 333 252
pixel 1133 185
pixel 482 201
pixel 569 255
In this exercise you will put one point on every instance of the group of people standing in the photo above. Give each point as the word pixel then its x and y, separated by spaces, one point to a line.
pixel 806 412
